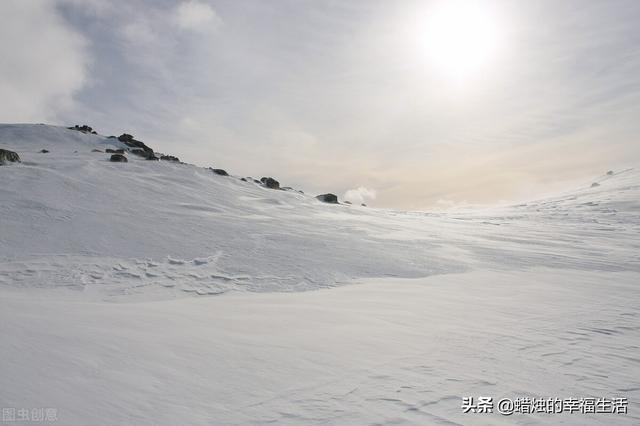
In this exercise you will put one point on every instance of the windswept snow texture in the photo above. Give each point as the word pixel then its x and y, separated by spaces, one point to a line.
pixel 72 219
pixel 533 300
pixel 382 353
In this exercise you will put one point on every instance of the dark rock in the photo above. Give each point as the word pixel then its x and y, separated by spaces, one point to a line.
pixel 256 181
pixel 7 156
pixel 141 152
pixel 125 137
pixel 243 179
pixel 219 172
pixel 363 205
pixel 118 158
pixel 84 129
pixel 170 158
pixel 328 198
pixel 347 202
pixel 95 150
pixel 152 157
pixel 610 172
pixel 43 151
pixel 114 151
pixel 111 137
pixel 270 182
pixel 128 140
pixel 594 184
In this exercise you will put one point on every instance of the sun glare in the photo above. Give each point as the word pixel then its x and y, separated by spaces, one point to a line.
pixel 461 38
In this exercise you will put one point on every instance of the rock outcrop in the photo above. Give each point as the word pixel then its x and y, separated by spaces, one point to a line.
pixel 328 198
pixel 118 158
pixel 170 158
pixel 147 155
pixel 219 172
pixel 84 129
pixel 128 140
pixel 270 182
pixel 7 156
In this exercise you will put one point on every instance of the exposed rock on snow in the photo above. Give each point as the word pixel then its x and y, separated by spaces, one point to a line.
pixel 114 151
pixel 147 155
pixel 595 184
pixel 328 198
pixel 139 148
pixel 139 152
pixel 44 151
pixel 118 158
pixel 84 129
pixel 219 172
pixel 7 156
pixel 128 140
pixel 169 158
pixel 270 182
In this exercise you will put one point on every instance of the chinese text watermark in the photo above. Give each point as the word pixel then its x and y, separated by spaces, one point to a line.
pixel 525 405
pixel 21 414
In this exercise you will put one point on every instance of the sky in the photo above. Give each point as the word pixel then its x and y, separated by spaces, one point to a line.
pixel 404 104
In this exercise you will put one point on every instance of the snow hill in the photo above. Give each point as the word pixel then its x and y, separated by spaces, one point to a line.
pixel 536 299
pixel 73 219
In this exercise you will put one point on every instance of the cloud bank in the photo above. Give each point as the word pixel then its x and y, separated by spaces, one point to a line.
pixel 43 64
pixel 294 89
pixel 360 195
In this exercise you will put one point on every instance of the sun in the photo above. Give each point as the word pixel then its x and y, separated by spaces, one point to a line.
pixel 462 38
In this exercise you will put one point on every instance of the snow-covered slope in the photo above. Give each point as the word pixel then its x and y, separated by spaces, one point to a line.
pixel 73 219
pixel 534 300
pixel 161 224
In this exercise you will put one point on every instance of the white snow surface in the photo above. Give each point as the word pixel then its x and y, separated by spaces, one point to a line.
pixel 161 293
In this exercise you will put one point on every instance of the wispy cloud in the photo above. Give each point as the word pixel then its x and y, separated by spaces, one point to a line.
pixel 294 89
pixel 43 64
pixel 195 14
pixel 360 195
